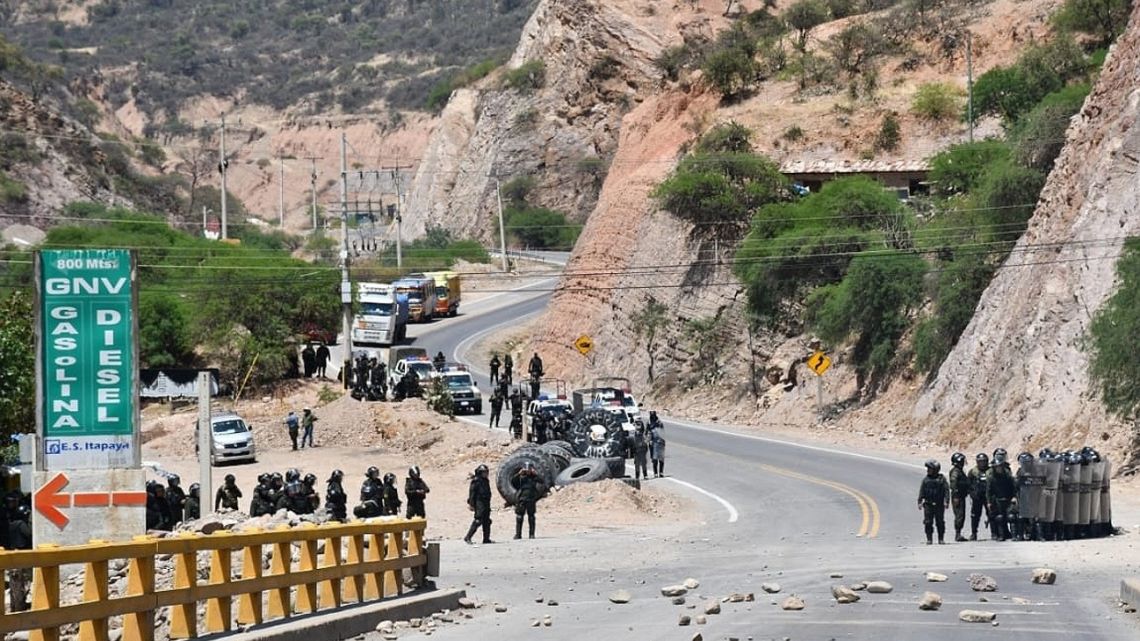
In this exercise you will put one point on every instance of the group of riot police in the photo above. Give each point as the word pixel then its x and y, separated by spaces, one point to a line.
pixel 380 497
pixel 1053 496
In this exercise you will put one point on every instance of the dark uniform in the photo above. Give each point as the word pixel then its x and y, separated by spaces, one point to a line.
pixel 977 476
pixel 959 490
pixel 416 490
pixel 176 498
pixel 390 496
pixel 536 373
pixel 640 451
pixel 260 503
pixel 227 495
pixel 1000 491
pixel 527 499
pixel 322 360
pixel 933 497
pixel 495 368
pixel 296 500
pixel 336 501
pixel 508 367
pixel 314 499
pixel 479 502
pixel 370 495
pixel 516 414
pixel 194 502
pixel 157 509
pixel 496 408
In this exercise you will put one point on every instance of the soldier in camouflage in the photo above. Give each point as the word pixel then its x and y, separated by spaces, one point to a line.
pixel 933 499
pixel 959 490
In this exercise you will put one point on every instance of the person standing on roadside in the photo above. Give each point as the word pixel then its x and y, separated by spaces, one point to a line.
pixel 496 407
pixel 495 364
pixel 322 360
pixel 293 424
pixel 977 476
pixel 194 503
pixel 527 499
pixel 656 444
pixel 175 498
pixel 479 502
pixel 336 501
pixel 416 490
pixel 508 366
pixel 390 496
pixel 959 490
pixel 309 360
pixel 933 497
pixel 227 495
pixel 640 450
pixel 307 420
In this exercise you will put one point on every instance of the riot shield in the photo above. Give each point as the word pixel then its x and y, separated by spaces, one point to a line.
pixel 1106 496
pixel 1094 491
pixel 1070 493
pixel 1050 492
pixel 1030 483
pixel 1085 489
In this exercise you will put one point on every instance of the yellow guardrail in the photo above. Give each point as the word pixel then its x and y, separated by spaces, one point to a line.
pixel 360 562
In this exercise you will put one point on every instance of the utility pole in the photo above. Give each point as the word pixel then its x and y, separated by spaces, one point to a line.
pixel 502 229
pixel 313 188
pixel 281 191
pixel 222 164
pixel 970 84
pixel 205 439
pixel 204 221
pixel 399 217
pixel 345 283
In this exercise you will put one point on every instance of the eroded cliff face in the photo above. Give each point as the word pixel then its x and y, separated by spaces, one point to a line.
pixel 598 57
pixel 1019 372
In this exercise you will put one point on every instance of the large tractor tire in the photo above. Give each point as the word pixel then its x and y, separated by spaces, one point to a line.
pixel 559 455
pixel 583 470
pixel 507 477
pixel 565 445
pixel 597 433
pixel 616 465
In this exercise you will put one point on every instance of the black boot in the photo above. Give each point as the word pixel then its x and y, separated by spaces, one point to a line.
pixel 958 536
pixel 518 528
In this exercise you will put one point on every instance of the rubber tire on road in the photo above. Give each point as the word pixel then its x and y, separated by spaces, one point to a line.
pixel 583 470
pixel 565 445
pixel 616 465
pixel 559 455
pixel 510 467
pixel 579 431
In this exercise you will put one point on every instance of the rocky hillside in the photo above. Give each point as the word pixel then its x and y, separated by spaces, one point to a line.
pixel 1020 370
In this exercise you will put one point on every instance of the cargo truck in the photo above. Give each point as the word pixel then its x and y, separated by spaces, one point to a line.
pixel 447 292
pixel 420 291
pixel 382 316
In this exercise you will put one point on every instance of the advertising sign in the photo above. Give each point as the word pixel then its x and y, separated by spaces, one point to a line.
pixel 86 359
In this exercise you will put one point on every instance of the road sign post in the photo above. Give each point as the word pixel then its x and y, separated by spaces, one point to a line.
pixel 584 344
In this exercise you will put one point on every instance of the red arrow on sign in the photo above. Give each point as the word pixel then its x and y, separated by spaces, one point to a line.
pixel 48 499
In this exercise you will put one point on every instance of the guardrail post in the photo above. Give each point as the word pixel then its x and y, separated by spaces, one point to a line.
pixel 416 548
pixel 219 610
pixel 393 579
pixel 307 592
pixel 372 579
pixel 184 616
pixel 139 626
pixel 281 564
pixel 250 603
pixel 45 596
pixel 331 589
pixel 95 591
pixel 354 588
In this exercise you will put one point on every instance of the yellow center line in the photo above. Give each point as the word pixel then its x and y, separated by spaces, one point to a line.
pixel 868 508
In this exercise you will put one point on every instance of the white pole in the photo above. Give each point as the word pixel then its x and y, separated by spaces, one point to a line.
pixel 281 191
pixel 502 229
pixel 222 164
pixel 313 188
pixel 205 434
pixel 345 282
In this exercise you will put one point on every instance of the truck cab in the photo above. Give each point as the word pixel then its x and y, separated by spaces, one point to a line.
pixel 382 318
pixel 447 292
pixel 420 291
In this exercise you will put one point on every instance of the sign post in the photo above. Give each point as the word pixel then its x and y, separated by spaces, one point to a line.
pixel 87 410
pixel 819 363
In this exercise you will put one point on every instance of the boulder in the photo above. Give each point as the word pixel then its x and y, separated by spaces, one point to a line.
pixel 930 601
pixel 844 594
pixel 674 590
pixel 620 596
pixel 467 603
pixel 858 587
pixel 770 588
pixel 385 627
pixel 935 577
pixel 879 587
pixel 691 584
pixel 701 619
pixel 982 583
pixel 793 603
pixel 976 616
pixel 712 607
pixel 684 620
pixel 1044 576
pixel 678 600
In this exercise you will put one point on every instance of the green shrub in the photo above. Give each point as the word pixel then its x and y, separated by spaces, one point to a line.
pixel 794 133
pixel 1038 136
pixel 725 188
pixel 1111 342
pixel 1103 19
pixel 517 190
pixel 803 16
pixel 673 59
pixel 12 191
pixel 731 71
pixel 936 101
pixel 541 228
pixel 961 168
pixel 890 134
pixel 18 365
pixel 1010 92
pixel 726 138
pixel 526 78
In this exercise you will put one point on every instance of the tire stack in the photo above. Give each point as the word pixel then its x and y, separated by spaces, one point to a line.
pixel 548 465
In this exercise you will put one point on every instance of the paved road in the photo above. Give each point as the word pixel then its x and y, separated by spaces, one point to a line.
pixel 774 511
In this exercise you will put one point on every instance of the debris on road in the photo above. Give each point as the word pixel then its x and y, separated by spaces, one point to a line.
pixel 793 603
pixel 1044 576
pixel 684 620
pixel 976 616
pixel 930 601
pixel 844 594
pixel 982 583
pixel 674 590
pixel 770 588
pixel 935 577
pixel 879 587
pixel 620 596
pixel 691 584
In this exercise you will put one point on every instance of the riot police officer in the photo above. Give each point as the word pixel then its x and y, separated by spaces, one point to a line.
pixel 479 502
pixel 933 499
pixel 977 476
pixel 390 496
pixel 527 500
pixel 228 494
pixel 336 501
pixel 296 500
pixel 370 495
pixel 416 490
pixel 18 537
pixel 959 490
pixel 314 499
pixel 175 498
pixel 260 503
pixel 1000 492
pixel 194 502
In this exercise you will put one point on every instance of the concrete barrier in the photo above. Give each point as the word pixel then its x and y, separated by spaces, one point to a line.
pixel 1130 591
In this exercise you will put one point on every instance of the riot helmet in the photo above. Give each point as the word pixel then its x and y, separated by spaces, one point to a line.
pixel 373 472
pixel 230 480
pixel 982 460
pixel 336 476
pixel 310 479
pixel 958 459
pixel 481 470
pixel 414 471
pixel 389 478
pixel 999 457
pixel 933 467
pixel 1025 458
pixel 293 474
pixel 174 480
pixel 194 489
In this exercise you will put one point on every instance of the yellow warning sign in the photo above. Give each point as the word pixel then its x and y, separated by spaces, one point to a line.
pixel 819 363
pixel 584 344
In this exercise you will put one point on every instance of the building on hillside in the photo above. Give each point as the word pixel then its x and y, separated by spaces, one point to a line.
pixel 904 177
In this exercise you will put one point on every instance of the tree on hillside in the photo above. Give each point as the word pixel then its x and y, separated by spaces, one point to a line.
pixel 17 367
pixel 1104 19
pixel 802 17
pixel 647 323
pixel 1112 339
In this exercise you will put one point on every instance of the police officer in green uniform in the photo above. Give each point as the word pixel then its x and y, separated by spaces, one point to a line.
pixel 959 490
pixel 194 502
pixel 977 478
pixel 1000 491
pixel 933 498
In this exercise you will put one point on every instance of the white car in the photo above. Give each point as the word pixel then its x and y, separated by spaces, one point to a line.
pixel 231 439
pixel 464 392
pixel 422 368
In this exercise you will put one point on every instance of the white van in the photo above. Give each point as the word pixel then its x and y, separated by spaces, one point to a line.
pixel 232 439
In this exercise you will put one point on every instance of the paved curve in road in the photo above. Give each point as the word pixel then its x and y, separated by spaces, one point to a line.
pixel 805 512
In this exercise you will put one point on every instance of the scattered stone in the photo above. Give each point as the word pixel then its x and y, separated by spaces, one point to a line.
pixel 698 637
pixel 1020 601
pixel 684 620
pixel 737 597
pixel 1044 576
pixel 547 621
pixel 415 623
pixel 678 600
pixel 390 637
pixel 976 616
pixel 770 588
pixel 713 607
pixel 500 609
pixel 539 600
pixel 859 587
pixel 793 603
pixel 620 596
pixel 691 584
pixel 930 601
pixel 844 594
pixel 983 599
pixel 982 583
pixel 551 602
pixel 935 577
pixel 879 587
pixel 534 623
pixel 467 603
pixel 702 619
pixel 674 590
pixel 385 626
pixel 835 575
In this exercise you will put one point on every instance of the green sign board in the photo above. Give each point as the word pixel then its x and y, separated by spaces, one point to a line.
pixel 88 376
